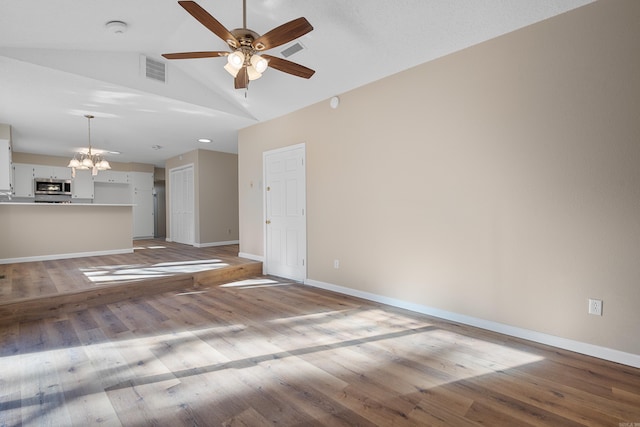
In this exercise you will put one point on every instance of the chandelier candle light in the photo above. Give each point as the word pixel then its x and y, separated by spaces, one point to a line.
pixel 88 160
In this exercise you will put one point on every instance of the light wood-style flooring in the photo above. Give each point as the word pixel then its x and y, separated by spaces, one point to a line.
pixel 33 290
pixel 265 351
pixel 152 258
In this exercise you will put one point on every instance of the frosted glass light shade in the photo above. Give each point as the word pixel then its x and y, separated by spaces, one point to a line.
pixel 233 71
pixel 103 165
pixel 252 73
pixel 87 162
pixel 259 63
pixel 236 59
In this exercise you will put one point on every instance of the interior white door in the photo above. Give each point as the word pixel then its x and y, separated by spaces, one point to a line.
pixel 285 217
pixel 182 222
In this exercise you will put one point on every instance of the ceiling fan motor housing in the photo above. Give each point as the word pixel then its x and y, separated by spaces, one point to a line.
pixel 245 37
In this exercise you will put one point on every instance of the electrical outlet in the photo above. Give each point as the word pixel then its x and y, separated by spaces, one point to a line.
pixel 595 306
pixel 336 263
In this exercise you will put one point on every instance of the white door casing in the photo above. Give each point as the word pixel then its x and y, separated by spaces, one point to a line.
pixel 285 212
pixel 182 221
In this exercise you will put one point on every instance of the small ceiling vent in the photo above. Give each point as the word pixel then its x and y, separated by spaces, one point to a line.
pixel 154 70
pixel 294 48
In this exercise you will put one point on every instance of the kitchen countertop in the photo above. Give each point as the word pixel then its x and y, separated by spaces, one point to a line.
pixel 61 204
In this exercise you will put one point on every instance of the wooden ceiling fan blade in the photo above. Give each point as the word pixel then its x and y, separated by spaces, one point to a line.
pixel 210 22
pixel 289 67
pixel 282 34
pixel 242 79
pixel 192 55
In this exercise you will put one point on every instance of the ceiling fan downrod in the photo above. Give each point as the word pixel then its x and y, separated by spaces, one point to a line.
pixel 244 13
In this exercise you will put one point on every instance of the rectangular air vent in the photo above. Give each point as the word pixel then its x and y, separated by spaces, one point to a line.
pixel 154 70
pixel 294 48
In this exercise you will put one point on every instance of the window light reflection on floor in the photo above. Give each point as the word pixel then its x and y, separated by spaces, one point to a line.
pixel 122 273
pixel 151 361
pixel 135 248
pixel 254 283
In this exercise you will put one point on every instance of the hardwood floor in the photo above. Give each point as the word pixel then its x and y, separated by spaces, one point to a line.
pixel 264 351
pixel 33 290
pixel 153 258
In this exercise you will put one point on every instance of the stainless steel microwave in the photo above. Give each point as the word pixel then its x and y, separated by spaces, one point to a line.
pixel 48 186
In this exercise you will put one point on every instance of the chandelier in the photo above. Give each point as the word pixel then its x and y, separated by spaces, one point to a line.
pixel 88 160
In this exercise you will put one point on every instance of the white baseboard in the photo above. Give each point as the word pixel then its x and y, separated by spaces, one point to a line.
pixel 605 353
pixel 65 256
pixel 208 245
pixel 251 256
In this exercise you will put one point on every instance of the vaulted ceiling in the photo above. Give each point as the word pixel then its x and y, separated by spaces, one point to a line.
pixel 58 62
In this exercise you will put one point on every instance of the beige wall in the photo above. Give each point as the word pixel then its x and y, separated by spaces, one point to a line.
pixel 216 194
pixel 159 174
pixel 501 182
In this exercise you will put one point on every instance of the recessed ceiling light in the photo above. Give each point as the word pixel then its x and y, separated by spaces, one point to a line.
pixel 204 140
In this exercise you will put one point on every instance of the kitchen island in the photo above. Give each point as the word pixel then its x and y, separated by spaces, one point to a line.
pixel 42 231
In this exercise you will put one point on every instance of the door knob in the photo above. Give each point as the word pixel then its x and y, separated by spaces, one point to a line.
pixel 268 221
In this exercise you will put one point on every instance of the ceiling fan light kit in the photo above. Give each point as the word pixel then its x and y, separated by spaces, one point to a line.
pixel 243 62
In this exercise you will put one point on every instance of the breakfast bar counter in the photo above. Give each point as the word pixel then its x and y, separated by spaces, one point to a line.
pixel 41 231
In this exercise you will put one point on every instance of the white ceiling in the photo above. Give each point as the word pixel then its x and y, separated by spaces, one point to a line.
pixel 58 62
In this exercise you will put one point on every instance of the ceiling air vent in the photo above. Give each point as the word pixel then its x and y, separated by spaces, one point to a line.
pixel 154 70
pixel 294 48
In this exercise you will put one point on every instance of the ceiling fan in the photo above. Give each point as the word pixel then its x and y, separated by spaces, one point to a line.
pixel 244 62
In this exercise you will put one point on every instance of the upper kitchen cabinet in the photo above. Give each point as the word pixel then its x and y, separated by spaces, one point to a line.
pixel 53 172
pixel 82 185
pixel 141 181
pixel 5 167
pixel 23 180
pixel 112 177
pixel 142 198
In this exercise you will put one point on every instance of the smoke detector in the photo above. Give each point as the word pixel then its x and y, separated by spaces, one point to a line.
pixel 116 27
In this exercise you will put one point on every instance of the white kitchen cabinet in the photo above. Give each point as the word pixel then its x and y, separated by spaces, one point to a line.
pixel 23 180
pixel 5 166
pixel 112 177
pixel 143 220
pixel 82 185
pixel 141 180
pixel 142 199
pixel 53 172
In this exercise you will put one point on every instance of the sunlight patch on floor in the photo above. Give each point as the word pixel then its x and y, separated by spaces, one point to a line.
pixel 121 273
pixel 138 248
pixel 254 283
pixel 327 348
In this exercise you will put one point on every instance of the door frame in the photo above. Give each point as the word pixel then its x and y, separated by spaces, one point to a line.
pixel 265 154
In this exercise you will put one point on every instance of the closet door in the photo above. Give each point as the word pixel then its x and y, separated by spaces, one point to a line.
pixel 181 199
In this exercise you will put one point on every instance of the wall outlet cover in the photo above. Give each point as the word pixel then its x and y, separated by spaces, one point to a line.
pixel 595 307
